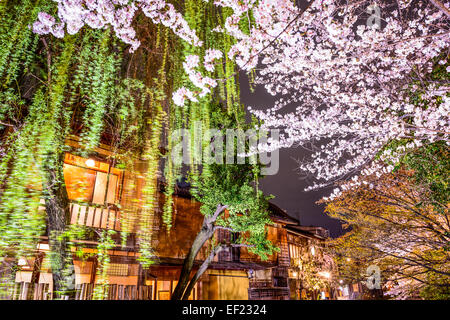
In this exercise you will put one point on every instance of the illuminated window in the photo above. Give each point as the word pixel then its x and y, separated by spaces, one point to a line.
pixel 94 184
pixel 79 182
pixel 294 251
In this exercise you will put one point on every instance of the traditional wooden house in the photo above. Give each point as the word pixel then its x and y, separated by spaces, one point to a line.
pixel 105 197
pixel 309 259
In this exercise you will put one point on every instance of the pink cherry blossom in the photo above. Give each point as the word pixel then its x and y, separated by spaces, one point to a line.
pixel 347 82
pixel 118 14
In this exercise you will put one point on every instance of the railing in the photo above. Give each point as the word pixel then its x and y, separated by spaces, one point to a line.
pixel 92 215
pixel 256 284
pixel 25 291
pixel 122 292
pixel 268 290
pixel 268 294
pixel 96 216
pixel 85 291
pixel 280 272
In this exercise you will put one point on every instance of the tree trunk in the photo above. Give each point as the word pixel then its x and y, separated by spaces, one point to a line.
pixel 57 208
pixel 205 266
pixel 205 233
pixel 200 271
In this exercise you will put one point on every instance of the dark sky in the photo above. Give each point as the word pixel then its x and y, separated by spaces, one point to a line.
pixel 286 185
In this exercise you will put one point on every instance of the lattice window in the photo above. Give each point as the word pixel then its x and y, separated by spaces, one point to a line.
pixel 118 269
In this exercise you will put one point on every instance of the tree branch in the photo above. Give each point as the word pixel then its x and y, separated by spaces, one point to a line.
pixel 441 7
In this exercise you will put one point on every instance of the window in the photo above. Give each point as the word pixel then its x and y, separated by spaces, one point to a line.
pixel 294 251
pixel 91 181
pixel 118 269
pixel 79 182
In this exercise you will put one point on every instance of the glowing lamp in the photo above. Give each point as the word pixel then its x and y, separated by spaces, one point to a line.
pixel 325 274
pixel 90 163
pixel 43 246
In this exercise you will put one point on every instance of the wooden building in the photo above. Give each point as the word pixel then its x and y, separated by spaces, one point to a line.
pixel 308 258
pixel 106 197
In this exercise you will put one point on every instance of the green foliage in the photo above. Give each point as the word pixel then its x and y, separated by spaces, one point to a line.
pixel 394 225
pixel 431 165
pixel 203 17
pixel 308 272
pixel 82 85
pixel 101 73
pixel 417 92
pixel 49 87
pixel 437 288
pixel 234 185
pixel 105 243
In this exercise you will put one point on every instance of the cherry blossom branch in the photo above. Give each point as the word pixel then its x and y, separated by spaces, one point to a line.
pixel 441 7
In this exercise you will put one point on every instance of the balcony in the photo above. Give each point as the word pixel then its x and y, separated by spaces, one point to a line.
pixel 84 291
pixel 94 215
pixel 271 293
pixel 275 288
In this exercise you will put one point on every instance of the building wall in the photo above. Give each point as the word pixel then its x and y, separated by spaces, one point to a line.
pixel 186 223
pixel 225 285
pixel 171 246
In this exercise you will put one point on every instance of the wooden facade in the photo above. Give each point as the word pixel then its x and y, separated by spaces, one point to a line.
pixel 104 197
pixel 308 243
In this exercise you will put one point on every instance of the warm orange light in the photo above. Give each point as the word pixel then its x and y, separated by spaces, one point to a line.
pixel 90 163
pixel 43 246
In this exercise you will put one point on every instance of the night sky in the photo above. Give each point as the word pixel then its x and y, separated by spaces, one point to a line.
pixel 286 185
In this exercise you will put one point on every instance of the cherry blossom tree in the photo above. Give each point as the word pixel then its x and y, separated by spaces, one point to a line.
pixel 356 87
pixel 359 73
pixel 119 14
pixel 395 226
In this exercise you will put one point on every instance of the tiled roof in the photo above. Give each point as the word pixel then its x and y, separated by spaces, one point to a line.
pixel 311 231
pixel 281 215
